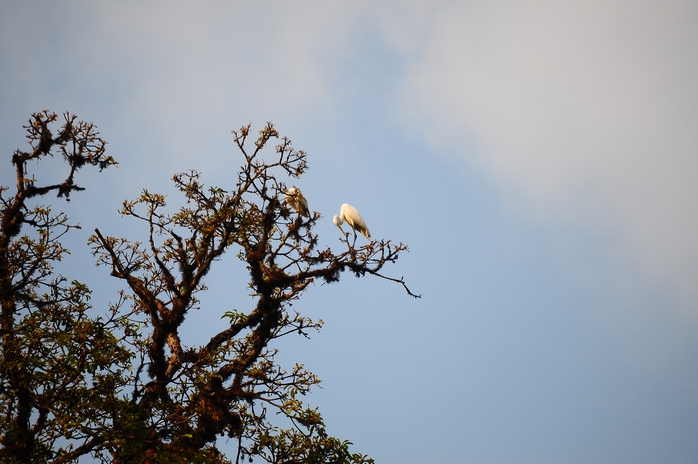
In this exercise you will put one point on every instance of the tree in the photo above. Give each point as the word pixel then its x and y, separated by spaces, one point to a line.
pixel 60 370
pixel 154 398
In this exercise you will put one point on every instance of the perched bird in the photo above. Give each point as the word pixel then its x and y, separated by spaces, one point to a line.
pixel 295 198
pixel 352 217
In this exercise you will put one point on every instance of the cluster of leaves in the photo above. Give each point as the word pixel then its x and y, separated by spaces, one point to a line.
pixel 126 387
pixel 59 369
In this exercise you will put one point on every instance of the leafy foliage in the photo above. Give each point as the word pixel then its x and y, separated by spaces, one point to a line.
pixel 126 387
pixel 59 369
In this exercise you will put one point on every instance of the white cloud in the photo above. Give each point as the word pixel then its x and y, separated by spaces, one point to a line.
pixel 585 111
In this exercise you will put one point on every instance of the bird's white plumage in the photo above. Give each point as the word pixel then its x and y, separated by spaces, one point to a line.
pixel 351 216
pixel 295 198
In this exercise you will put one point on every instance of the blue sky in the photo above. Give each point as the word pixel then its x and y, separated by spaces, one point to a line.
pixel 540 158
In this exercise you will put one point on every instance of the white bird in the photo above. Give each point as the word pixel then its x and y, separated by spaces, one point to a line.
pixel 352 217
pixel 295 198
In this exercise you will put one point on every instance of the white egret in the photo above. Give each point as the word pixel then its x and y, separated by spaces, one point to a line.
pixel 295 198
pixel 352 217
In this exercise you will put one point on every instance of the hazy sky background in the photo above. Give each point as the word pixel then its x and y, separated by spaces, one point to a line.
pixel 540 158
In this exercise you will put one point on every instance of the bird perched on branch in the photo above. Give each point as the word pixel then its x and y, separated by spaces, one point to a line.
pixel 351 216
pixel 295 198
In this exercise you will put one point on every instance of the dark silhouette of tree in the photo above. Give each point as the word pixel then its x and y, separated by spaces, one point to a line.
pixel 59 369
pixel 150 396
